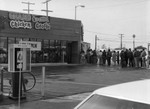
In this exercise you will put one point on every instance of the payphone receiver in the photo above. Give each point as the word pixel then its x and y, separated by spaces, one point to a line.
pixel 19 57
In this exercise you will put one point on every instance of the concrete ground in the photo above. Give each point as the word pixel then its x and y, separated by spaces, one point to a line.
pixel 62 81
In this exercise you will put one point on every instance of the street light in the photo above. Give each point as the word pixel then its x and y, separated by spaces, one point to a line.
pixel 82 6
pixel 133 41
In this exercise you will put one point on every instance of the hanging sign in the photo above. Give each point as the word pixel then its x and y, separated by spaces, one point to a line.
pixel 34 46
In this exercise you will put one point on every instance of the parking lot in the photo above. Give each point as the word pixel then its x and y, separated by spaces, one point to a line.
pixel 62 81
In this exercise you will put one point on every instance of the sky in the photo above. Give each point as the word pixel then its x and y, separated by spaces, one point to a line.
pixel 105 18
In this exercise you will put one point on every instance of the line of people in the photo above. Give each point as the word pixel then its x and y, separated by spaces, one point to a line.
pixel 125 58
pixel 134 58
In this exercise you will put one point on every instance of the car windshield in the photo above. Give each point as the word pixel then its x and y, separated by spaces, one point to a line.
pixel 103 102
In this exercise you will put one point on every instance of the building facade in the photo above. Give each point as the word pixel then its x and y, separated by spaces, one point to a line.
pixel 60 39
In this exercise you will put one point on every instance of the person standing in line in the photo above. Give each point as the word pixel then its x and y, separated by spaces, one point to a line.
pixel 109 55
pixel 94 57
pixel 91 54
pixel 88 56
pixel 104 57
pixel 126 57
pixel 123 61
pixel 114 57
pixel 143 56
pixel 138 59
pixel 82 57
pixel 135 57
pixel 131 59
pixel 100 57
pixel 118 57
pixel 148 59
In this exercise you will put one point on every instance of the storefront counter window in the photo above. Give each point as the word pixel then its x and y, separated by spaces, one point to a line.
pixel 25 39
pixel 18 40
pixel 63 51
pixel 52 51
pixel 37 56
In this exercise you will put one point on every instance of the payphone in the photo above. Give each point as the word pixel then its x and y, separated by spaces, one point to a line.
pixel 19 60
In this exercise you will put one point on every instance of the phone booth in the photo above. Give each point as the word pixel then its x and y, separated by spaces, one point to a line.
pixel 19 60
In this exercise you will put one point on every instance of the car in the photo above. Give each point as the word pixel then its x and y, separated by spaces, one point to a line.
pixel 129 95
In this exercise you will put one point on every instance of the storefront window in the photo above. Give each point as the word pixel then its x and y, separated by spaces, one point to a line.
pixel 46 44
pixel 25 39
pixel 57 57
pixel 18 40
pixel 51 51
pixel 33 53
pixel 3 49
pixel 52 44
pixel 33 56
pixel 11 41
pixel 46 50
pixel 63 51
pixel 39 54
pixel 32 39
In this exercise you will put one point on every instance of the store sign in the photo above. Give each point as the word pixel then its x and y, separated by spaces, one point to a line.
pixel 28 21
pixel 21 46
pixel 20 24
pixel 41 23
pixel 34 46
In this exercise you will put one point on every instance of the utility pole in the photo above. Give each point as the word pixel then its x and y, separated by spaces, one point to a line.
pixel 95 42
pixel 96 39
pixel 47 11
pixel 28 3
pixel 133 41
pixel 121 35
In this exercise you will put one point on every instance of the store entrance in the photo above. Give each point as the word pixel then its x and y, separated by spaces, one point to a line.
pixel 69 52
pixel 72 52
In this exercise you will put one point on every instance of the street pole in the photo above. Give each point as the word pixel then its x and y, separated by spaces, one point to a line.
pixel 28 3
pixel 121 35
pixel 133 41
pixel 82 6
pixel 95 42
pixel 75 12
pixel 47 11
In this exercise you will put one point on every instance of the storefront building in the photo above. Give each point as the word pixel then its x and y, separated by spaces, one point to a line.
pixel 60 39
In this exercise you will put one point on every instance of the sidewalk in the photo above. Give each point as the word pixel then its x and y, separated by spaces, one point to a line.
pixel 71 80
pixel 53 89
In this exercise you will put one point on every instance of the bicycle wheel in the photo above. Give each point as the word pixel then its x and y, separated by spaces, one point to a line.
pixel 29 80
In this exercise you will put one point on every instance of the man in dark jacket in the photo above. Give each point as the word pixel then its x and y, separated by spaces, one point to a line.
pixel 130 56
pixel 136 57
pixel 123 60
pixel 104 57
pixel 108 55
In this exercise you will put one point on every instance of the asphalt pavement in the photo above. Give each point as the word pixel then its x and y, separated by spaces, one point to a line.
pixel 62 81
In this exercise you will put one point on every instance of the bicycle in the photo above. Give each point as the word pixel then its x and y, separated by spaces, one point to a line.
pixel 28 80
